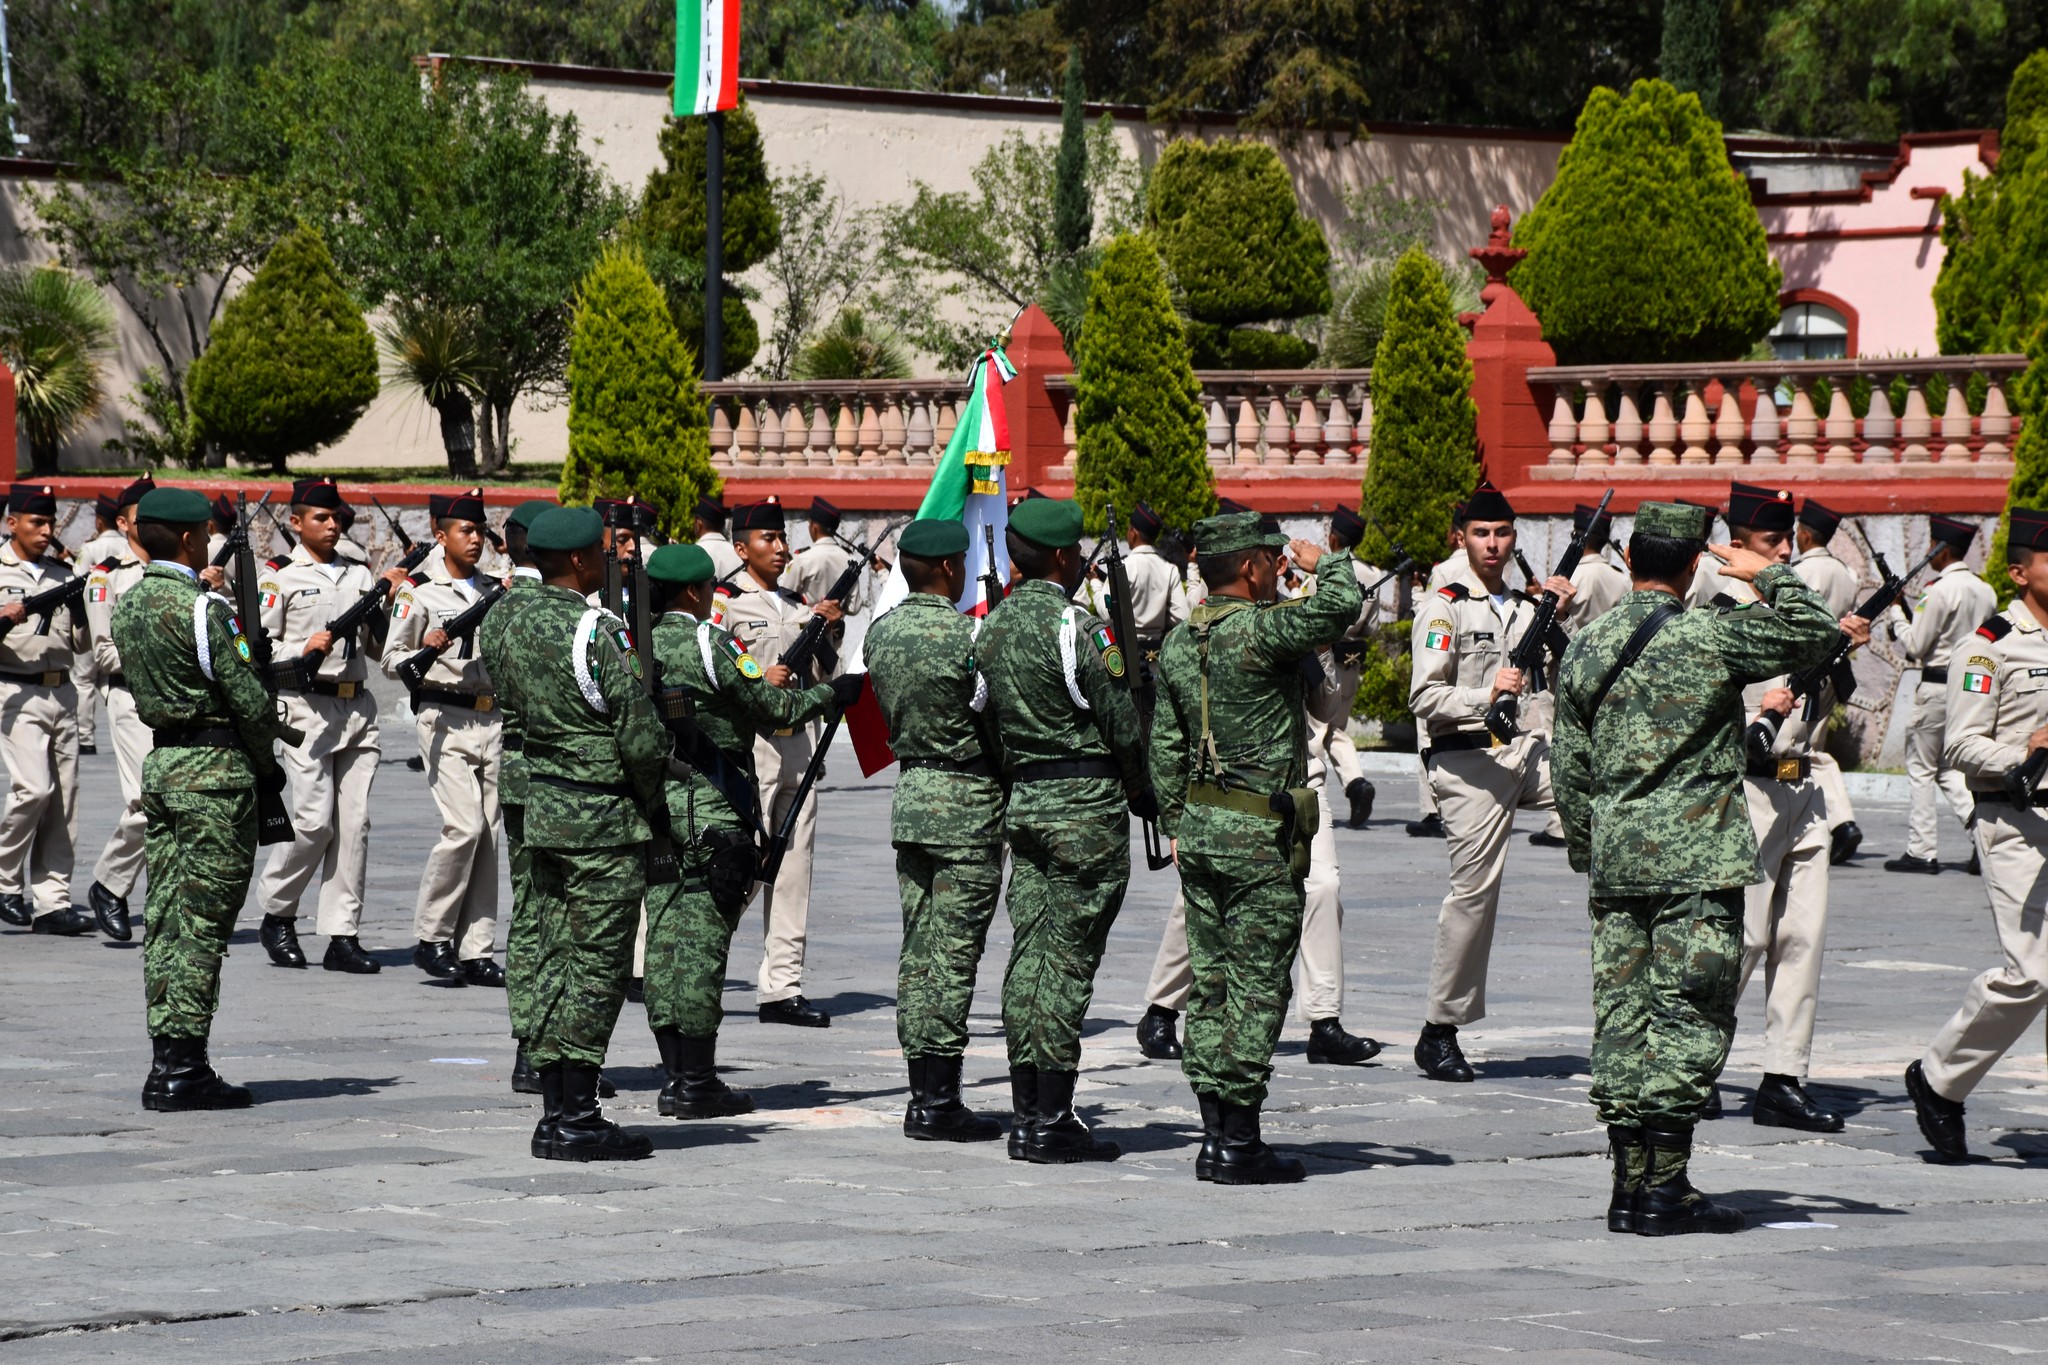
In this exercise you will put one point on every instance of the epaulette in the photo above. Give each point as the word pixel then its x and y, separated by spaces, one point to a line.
pixel 792 595
pixel 724 588
pixel 1454 592
pixel 1997 628
pixel 278 563
pixel 107 565
pixel 415 579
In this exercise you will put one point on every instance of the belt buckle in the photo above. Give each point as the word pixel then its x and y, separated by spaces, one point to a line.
pixel 1496 742
pixel 53 679
pixel 1788 770
pixel 486 703
pixel 784 734
pixel 346 691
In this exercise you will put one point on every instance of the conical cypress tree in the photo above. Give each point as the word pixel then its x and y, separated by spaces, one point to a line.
pixel 637 421
pixel 1691 55
pixel 291 365
pixel 1073 220
pixel 1646 247
pixel 1425 441
pixel 1139 418
pixel 1994 273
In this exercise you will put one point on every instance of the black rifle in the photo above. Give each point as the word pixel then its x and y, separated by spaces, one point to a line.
pixel 613 593
pixel 1809 684
pixel 273 816
pixel 1884 568
pixel 1527 655
pixel 778 845
pixel 238 534
pixel 413 672
pixel 810 641
pixel 1529 579
pixel 1136 676
pixel 2023 784
pixel 626 590
pixel 404 541
pixel 992 589
pixel 352 617
pixel 47 603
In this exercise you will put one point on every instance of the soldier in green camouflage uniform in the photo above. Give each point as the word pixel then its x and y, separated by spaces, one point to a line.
pixel 596 758
pixel 1074 759
pixel 1230 764
pixel 715 819
pixel 946 822
pixel 188 669
pixel 1648 767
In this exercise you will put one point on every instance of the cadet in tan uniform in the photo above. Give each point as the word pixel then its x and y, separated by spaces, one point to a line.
pixel 708 520
pixel 767 618
pixel 120 569
pixel 1347 664
pixel 1950 609
pixel 108 539
pixel 1836 583
pixel 38 723
pixel 1429 823
pixel 330 774
pixel 1159 600
pixel 815 570
pixel 1461 642
pixel 1997 728
pixel 1599 584
pixel 460 735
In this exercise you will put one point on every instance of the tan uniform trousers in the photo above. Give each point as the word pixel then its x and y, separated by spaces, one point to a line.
pixel 85 676
pixel 1478 792
pixel 1924 772
pixel 2001 1005
pixel 121 860
pixel 458 899
pixel 330 776
pixel 1785 917
pixel 39 828
pixel 1318 963
pixel 1342 755
pixel 1834 792
pixel 779 763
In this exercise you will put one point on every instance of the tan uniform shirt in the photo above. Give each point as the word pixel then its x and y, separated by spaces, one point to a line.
pixel 1598 588
pixel 1460 640
pixel 299 596
pixel 1159 601
pixel 99 549
pixel 1949 611
pixel 103 588
pixel 815 571
pixel 766 620
pixel 725 561
pixel 1997 696
pixel 1831 578
pixel 429 601
pixel 28 649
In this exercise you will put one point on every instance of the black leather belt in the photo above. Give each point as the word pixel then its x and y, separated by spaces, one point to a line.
pixel 978 766
pixel 2002 799
pixel 1455 744
pixel 1934 675
pixel 466 701
pixel 198 737
pixel 53 678
pixel 320 687
pixel 117 680
pixel 1054 769
pixel 1788 768
pixel 594 788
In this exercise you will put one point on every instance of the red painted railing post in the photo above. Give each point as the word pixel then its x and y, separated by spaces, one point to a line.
pixel 7 414
pixel 1037 432
pixel 1514 427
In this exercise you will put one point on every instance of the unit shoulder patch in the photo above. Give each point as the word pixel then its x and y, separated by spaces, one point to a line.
pixel 1112 654
pixel 746 663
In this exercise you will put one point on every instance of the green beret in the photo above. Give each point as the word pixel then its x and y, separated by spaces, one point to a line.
pixel 174 506
pixel 1673 520
pixel 1234 531
pixel 1054 523
pixel 684 564
pixel 936 538
pixel 565 528
pixel 523 515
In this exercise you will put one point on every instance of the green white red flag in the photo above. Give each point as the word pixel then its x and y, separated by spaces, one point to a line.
pixel 707 56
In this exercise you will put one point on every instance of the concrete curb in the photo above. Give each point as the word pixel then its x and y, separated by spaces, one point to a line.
pixel 1861 786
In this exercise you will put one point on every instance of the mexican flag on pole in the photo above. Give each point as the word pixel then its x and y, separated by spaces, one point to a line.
pixel 707 56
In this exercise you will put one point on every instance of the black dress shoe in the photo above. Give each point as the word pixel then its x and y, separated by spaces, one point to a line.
pixel 14 910
pixel 1906 862
pixel 1843 841
pixel 182 1078
pixel 88 750
pixel 1212 1136
pixel 1941 1120
pixel 1057 1135
pixel 1669 1206
pixel 1430 826
pixel 1975 867
pixel 1543 838
pixel 280 938
pixel 1782 1102
pixel 795 1010
pixel 435 959
pixel 112 913
pixel 936 1113
pixel 69 922
pixel 416 764
pixel 1243 1158
pixel 345 954
pixel 636 990
pixel 1360 793
pixel 1330 1045
pixel 1438 1055
pixel 1711 1107
pixel 483 971
pixel 582 1132
pixel 1155 1034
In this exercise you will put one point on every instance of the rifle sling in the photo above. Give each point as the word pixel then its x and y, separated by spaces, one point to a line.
pixel 1646 630
pixel 720 769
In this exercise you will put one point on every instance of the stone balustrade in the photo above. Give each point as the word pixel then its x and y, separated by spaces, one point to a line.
pixel 1268 418
pixel 1611 422
pixel 787 426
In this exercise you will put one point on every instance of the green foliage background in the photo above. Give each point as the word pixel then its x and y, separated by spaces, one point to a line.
pixel 1690 55
pixel 1425 441
pixel 1995 270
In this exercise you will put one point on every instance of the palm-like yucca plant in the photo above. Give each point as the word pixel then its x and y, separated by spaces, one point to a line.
pixel 436 352
pixel 56 331
pixel 853 348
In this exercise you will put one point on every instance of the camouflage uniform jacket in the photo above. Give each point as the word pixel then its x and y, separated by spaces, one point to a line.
pixel 733 702
pixel 512 766
pixel 187 663
pixel 1055 692
pixel 567 671
pixel 1655 807
pixel 1256 694
pixel 920 657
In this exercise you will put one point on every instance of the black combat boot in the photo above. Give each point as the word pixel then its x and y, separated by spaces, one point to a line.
pixel 345 954
pixel 582 1132
pixel 1212 1136
pixel 1023 1108
pixel 936 1113
pixel 1360 793
pixel 1710 1108
pixel 1782 1102
pixel 525 1080
pixel 1330 1045
pixel 548 1085
pixel 181 1078
pixel 1940 1118
pixel 1243 1158
pixel 1438 1055
pixel 1155 1034
pixel 1630 1160
pixel 694 1090
pixel 1058 1136
pixel 112 913
pixel 1669 1205
pixel 280 938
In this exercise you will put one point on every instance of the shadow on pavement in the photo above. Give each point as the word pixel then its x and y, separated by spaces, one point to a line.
pixel 673 1135
pixel 326 1087
pixel 1367 1154
pixel 1564 1067
pixel 854 1002
pixel 1781 1206
pixel 2030 1147
pixel 1148 1137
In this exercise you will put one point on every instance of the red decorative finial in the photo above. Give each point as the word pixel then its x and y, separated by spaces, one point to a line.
pixel 1499 255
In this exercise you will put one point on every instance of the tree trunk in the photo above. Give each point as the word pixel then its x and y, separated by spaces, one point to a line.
pixel 42 458
pixel 497 435
pixel 458 434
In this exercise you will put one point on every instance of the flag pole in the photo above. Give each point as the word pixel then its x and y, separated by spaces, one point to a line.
pixel 714 246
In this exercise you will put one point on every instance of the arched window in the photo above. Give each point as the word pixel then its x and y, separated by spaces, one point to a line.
pixel 1808 330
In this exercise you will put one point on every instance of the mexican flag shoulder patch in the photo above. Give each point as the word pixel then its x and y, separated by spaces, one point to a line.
pixel 1979 683
pixel 1112 654
pixel 748 665
pixel 1438 637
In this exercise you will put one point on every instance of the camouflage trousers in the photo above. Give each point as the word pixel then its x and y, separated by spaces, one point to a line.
pixel 688 940
pixel 949 897
pixel 1666 971
pixel 585 904
pixel 1244 927
pixel 200 851
pixel 522 937
pixel 1067 882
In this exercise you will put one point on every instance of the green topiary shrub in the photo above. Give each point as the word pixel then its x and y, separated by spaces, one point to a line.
pixel 2029 486
pixel 291 365
pixel 1387 670
pixel 1139 418
pixel 1073 216
pixel 1425 441
pixel 637 421
pixel 1238 246
pixel 1646 247
pixel 1995 271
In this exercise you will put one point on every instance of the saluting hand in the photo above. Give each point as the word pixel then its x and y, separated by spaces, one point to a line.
pixel 1739 563
pixel 1306 554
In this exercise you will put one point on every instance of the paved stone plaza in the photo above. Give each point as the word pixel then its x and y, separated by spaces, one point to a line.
pixel 379 1200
